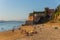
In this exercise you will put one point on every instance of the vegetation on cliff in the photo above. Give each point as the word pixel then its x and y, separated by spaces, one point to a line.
pixel 44 16
pixel 57 14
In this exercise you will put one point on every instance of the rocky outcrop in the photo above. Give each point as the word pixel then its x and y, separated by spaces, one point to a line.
pixel 40 17
pixel 44 16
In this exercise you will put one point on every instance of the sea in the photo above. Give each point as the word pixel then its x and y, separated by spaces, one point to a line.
pixel 9 25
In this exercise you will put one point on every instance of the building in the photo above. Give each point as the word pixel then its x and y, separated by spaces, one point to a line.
pixel 40 17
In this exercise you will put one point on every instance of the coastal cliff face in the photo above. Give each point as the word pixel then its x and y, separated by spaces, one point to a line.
pixel 40 17
pixel 30 18
pixel 44 16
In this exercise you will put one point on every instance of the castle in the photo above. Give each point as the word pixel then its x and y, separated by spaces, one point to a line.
pixel 43 16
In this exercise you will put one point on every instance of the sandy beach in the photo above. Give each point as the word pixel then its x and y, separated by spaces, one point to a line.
pixel 47 31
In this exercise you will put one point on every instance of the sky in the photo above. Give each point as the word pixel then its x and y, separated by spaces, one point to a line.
pixel 20 9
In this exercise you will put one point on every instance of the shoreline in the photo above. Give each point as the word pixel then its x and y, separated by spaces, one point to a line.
pixel 47 28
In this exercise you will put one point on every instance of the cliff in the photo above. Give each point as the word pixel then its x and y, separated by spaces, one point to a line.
pixel 44 16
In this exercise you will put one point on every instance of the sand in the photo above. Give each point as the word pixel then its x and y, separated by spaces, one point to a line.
pixel 47 31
